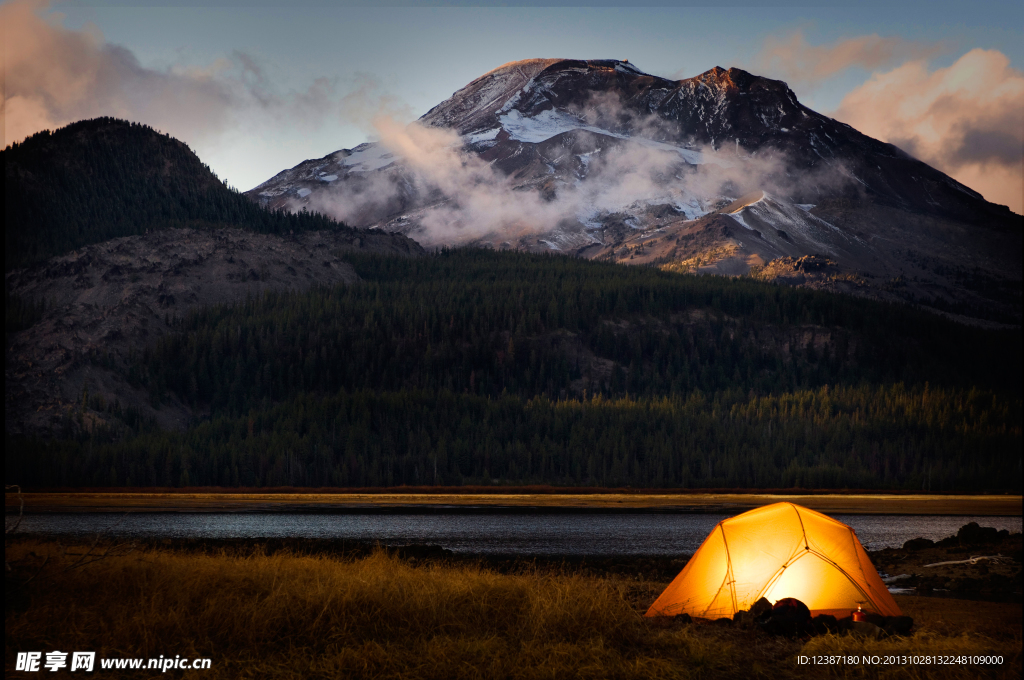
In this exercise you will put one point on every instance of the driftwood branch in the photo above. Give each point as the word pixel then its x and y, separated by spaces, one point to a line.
pixel 84 558
pixel 972 560
pixel 12 528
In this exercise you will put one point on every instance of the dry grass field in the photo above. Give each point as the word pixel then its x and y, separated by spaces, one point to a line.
pixel 287 615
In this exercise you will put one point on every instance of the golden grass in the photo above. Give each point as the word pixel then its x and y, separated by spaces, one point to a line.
pixel 295 616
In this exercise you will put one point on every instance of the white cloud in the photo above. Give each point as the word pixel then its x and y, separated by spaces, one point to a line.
pixel 796 61
pixel 966 119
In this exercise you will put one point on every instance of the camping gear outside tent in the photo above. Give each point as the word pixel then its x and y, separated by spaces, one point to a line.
pixel 777 551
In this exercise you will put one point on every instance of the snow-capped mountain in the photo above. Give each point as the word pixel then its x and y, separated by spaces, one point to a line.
pixel 726 172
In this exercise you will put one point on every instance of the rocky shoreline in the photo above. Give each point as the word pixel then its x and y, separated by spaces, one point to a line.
pixel 977 563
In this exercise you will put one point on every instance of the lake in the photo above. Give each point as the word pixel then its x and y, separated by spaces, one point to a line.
pixel 522 534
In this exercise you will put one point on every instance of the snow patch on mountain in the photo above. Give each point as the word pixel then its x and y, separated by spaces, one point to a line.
pixel 739 218
pixel 692 208
pixel 368 157
pixel 691 156
pixel 485 136
pixel 543 126
pixel 553 122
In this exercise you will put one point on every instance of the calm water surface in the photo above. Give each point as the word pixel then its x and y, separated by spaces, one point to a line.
pixel 581 534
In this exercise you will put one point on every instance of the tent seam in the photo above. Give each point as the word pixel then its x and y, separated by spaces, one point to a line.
pixel 728 571
pixel 778 574
pixel 729 578
pixel 854 542
pixel 849 578
pixel 803 529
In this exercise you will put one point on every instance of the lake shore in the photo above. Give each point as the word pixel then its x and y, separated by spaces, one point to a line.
pixel 385 502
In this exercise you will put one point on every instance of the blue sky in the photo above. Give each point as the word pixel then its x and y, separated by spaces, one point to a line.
pixel 415 54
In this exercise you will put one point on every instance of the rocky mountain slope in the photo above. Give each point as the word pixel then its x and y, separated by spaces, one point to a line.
pixel 113 231
pixel 726 172
pixel 104 303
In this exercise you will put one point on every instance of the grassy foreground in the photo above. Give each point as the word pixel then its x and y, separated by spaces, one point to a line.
pixel 298 616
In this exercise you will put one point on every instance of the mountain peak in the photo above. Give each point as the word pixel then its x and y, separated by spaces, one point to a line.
pixel 535 66
pixel 741 81
pixel 474 107
pixel 533 101
pixel 525 66
pixel 596 157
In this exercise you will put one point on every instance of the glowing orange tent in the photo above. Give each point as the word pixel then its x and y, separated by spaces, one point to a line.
pixel 776 551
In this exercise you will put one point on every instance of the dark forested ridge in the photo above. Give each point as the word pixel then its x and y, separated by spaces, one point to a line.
pixel 864 437
pixel 99 179
pixel 491 323
pixel 480 367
